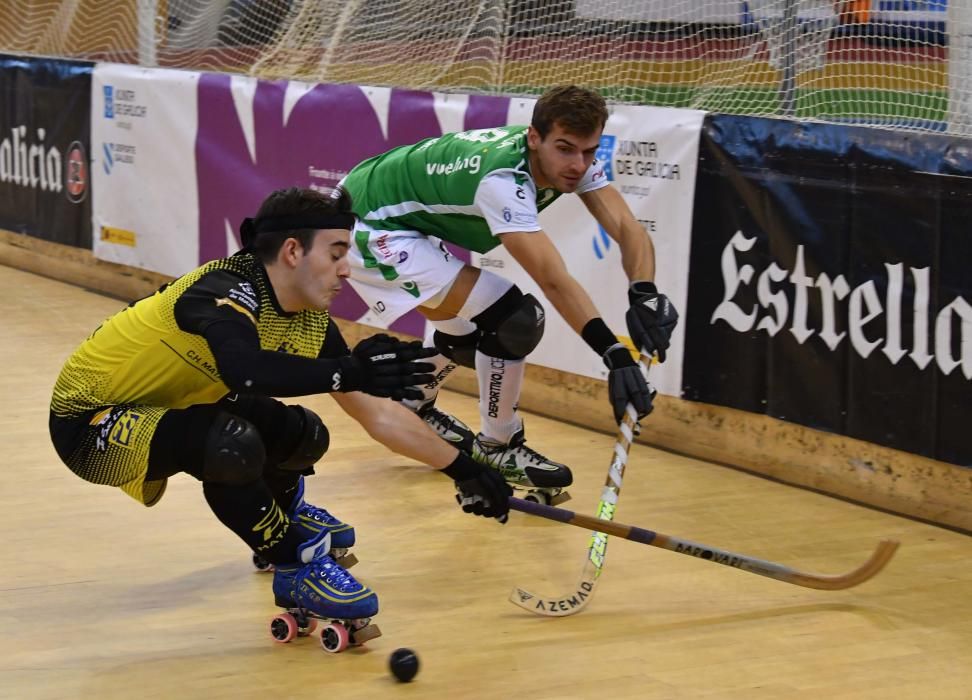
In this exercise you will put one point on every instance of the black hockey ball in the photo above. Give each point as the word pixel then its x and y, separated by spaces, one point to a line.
pixel 404 664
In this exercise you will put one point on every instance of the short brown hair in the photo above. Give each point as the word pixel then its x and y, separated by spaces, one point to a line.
pixel 290 202
pixel 576 109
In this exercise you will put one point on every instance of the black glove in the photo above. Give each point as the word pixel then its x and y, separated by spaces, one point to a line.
pixel 626 383
pixel 385 366
pixel 651 318
pixel 481 490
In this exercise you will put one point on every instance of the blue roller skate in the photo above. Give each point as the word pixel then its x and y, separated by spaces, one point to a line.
pixel 311 520
pixel 318 588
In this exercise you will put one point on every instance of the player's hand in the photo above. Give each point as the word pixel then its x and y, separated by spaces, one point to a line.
pixel 480 490
pixel 626 384
pixel 385 366
pixel 651 318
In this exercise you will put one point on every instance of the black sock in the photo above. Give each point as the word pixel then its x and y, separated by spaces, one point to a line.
pixel 251 511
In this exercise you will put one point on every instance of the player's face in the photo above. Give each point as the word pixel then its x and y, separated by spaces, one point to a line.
pixel 322 268
pixel 561 159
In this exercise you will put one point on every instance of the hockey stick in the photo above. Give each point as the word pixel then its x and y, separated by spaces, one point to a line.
pixel 576 600
pixel 876 562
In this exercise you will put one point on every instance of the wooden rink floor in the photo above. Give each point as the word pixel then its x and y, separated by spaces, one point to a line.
pixel 103 598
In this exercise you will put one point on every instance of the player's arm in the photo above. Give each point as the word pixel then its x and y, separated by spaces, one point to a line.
pixel 651 317
pixel 222 307
pixel 543 262
pixel 482 491
pixel 614 215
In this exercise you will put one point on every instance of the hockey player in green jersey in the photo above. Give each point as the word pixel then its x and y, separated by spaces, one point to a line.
pixel 478 190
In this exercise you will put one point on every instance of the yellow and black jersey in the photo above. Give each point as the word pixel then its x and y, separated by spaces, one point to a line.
pixel 153 352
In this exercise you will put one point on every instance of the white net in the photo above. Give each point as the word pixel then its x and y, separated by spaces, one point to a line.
pixel 900 64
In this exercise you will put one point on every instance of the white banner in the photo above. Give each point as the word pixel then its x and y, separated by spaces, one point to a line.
pixel 143 134
pixel 651 155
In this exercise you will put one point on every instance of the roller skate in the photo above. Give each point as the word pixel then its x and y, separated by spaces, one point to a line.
pixel 449 428
pixel 318 588
pixel 539 479
pixel 310 520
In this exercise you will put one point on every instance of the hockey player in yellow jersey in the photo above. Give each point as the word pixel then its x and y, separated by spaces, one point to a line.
pixel 181 381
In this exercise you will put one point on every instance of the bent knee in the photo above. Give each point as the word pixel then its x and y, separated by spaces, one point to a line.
pixel 234 452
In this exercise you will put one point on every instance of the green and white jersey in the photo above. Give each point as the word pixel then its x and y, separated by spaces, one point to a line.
pixel 465 188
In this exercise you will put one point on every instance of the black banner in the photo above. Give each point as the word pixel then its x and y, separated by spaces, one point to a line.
pixel 829 281
pixel 45 136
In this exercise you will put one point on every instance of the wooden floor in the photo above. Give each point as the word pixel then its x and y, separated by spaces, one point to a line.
pixel 103 598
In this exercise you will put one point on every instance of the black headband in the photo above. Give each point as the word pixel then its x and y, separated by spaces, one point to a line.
pixel 251 228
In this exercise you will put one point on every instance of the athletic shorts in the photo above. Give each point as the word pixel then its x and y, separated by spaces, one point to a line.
pixel 111 446
pixel 396 271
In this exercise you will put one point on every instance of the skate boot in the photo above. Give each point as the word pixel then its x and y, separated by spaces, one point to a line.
pixel 318 588
pixel 525 469
pixel 311 520
pixel 449 428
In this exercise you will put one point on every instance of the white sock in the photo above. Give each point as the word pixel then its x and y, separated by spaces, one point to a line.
pixel 499 391
pixel 443 365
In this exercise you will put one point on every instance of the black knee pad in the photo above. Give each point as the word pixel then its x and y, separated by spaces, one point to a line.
pixel 461 349
pixel 234 453
pixel 313 439
pixel 512 327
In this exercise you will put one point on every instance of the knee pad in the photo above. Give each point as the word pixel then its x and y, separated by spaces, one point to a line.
pixel 512 327
pixel 234 452
pixel 461 349
pixel 312 440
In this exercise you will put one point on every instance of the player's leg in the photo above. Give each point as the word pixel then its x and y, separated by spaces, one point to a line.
pixel 229 456
pixel 511 324
pixel 295 438
pixel 137 448
pixel 495 328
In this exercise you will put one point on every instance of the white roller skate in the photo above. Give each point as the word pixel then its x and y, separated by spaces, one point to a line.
pixel 526 470
pixel 448 427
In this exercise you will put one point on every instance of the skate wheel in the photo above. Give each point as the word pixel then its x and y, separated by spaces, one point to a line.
pixel 335 637
pixel 283 628
pixel 538 497
pixel 308 629
pixel 261 564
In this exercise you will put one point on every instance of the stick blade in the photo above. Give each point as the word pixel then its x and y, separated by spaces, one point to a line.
pixel 560 606
pixel 869 569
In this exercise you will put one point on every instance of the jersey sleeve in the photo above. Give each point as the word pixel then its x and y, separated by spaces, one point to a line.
pixel 219 295
pixel 507 205
pixel 334 345
pixel 594 179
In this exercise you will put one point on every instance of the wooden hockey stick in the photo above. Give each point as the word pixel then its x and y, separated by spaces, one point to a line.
pixel 580 596
pixel 870 568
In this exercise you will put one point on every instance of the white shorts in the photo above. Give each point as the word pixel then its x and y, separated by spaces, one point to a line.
pixel 396 271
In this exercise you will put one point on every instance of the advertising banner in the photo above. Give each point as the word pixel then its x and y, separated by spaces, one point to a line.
pixel 182 158
pixel 143 132
pixel 828 281
pixel 257 136
pixel 44 149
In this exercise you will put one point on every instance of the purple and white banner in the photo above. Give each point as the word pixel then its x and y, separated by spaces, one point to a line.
pixel 181 158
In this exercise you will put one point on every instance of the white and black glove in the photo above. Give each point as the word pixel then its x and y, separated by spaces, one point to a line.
pixel 481 490
pixel 651 318
pixel 626 383
pixel 385 366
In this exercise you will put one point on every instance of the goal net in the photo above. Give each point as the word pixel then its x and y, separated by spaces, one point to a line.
pixel 900 64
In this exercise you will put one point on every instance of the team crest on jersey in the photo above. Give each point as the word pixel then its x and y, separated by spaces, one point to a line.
pixel 116 426
pixel 244 294
pixel 507 214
